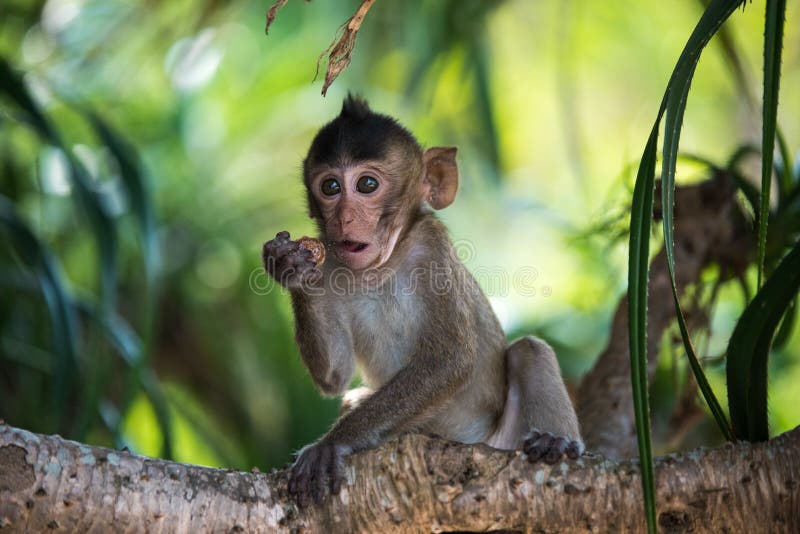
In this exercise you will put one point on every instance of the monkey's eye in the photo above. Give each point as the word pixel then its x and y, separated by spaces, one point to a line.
pixel 367 184
pixel 331 187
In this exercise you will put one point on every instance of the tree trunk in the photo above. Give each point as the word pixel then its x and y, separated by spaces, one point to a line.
pixel 709 229
pixel 411 484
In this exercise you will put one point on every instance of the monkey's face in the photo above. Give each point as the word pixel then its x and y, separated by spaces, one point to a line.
pixel 367 177
pixel 353 202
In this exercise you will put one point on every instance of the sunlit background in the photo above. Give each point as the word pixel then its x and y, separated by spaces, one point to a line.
pixel 549 101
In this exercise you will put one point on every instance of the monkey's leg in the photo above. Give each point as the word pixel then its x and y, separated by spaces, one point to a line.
pixel 538 415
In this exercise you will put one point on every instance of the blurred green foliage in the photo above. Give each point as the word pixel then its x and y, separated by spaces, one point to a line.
pixel 187 125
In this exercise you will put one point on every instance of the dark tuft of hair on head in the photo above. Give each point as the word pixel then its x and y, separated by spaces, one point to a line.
pixel 355 107
pixel 360 134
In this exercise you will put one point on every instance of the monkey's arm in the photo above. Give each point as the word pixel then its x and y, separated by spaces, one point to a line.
pixel 412 394
pixel 325 342
pixel 432 376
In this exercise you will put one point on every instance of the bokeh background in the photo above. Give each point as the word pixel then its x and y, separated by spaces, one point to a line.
pixel 189 126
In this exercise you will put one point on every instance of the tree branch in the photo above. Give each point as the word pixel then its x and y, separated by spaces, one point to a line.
pixel 410 484
pixel 709 228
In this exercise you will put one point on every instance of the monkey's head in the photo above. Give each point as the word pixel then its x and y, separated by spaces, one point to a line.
pixel 368 178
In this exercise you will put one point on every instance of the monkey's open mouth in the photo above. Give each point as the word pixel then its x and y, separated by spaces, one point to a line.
pixel 352 246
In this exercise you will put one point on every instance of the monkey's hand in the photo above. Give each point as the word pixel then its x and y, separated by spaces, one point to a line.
pixel 291 265
pixel 318 468
pixel 545 446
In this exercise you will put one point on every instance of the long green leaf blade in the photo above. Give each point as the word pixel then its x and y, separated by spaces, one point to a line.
pixel 676 97
pixel 129 347
pixel 14 88
pixel 749 347
pixel 136 186
pixel 638 274
pixel 102 225
pixel 773 45
pixel 58 300
pixel 787 325
pixel 86 196
pixel 787 172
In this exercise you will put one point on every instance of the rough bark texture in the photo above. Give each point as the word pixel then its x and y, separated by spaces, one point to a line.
pixel 412 484
pixel 709 229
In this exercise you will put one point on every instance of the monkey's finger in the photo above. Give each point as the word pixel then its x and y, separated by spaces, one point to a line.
pixel 303 500
pixel 557 450
pixel 268 251
pixel 337 473
pixel 306 255
pixel 540 447
pixel 280 238
pixel 299 478
pixel 302 494
pixel 284 249
pixel 573 450
pixel 320 480
pixel 295 487
pixel 311 489
pixel 527 445
pixel 294 480
pixel 306 488
pixel 300 258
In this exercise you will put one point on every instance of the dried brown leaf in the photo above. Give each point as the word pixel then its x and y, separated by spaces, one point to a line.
pixel 272 12
pixel 340 50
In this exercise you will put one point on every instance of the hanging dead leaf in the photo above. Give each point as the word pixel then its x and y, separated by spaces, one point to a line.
pixel 272 12
pixel 341 49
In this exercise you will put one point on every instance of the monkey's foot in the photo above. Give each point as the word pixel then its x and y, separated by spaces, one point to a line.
pixel 550 448
pixel 319 467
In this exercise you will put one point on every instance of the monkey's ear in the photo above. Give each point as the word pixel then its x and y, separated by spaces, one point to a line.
pixel 440 181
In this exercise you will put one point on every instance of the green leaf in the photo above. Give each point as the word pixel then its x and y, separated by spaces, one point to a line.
pixel 59 303
pixel 749 347
pixel 785 171
pixel 740 153
pixel 796 168
pixel 102 225
pixel 773 45
pixel 638 274
pixel 785 330
pixel 130 349
pixel 14 87
pixel 674 102
pixel 136 186
pixel 749 190
pixel 87 198
pixel 674 105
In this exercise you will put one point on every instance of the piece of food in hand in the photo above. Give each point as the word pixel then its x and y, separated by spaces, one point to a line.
pixel 316 247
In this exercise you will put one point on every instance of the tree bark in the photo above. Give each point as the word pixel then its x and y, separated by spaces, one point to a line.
pixel 709 229
pixel 411 484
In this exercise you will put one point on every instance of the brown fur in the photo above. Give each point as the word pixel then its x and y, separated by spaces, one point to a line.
pixel 408 314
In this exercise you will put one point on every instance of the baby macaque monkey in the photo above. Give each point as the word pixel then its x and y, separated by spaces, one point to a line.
pixel 393 299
